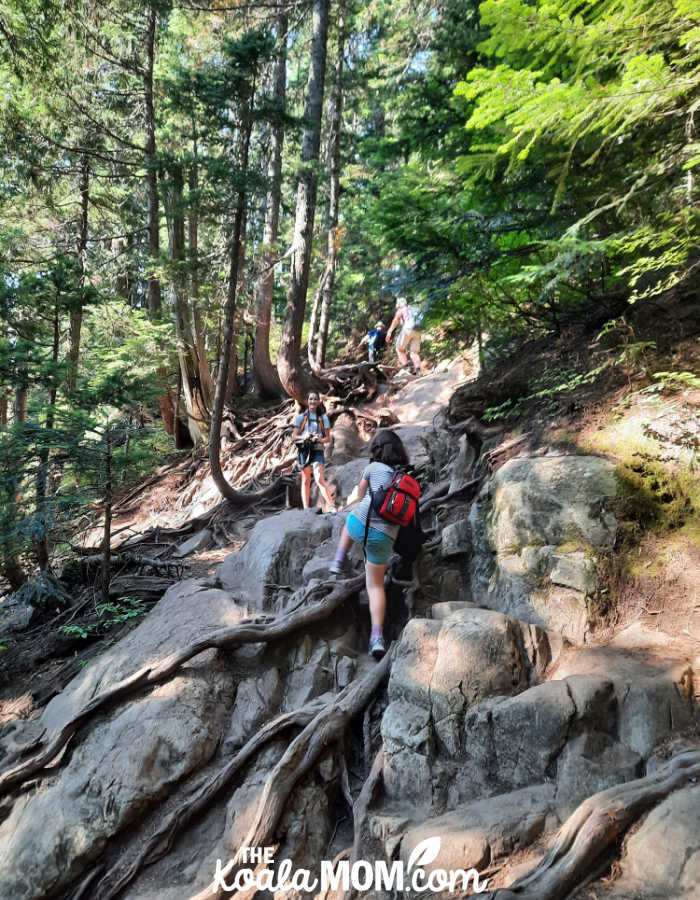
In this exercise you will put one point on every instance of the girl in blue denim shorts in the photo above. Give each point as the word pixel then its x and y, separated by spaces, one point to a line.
pixel 386 453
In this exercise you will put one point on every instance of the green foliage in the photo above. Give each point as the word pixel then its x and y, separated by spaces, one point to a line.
pixel 108 615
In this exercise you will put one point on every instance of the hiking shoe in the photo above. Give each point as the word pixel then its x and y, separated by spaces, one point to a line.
pixel 376 647
pixel 332 510
pixel 340 567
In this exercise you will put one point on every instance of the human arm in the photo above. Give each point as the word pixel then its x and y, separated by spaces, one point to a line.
pixel 394 323
pixel 358 492
pixel 296 431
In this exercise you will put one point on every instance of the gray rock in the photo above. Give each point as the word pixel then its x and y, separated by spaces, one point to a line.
pixel 515 742
pixel 573 570
pixel 477 834
pixel 123 766
pixel 310 674
pixel 407 738
pixel 456 539
pixel 187 612
pixel 277 551
pixel 523 523
pixel 662 858
pixel 591 763
pixel 256 700
pixel 650 691
pixel 200 541
pixel 552 501
pixel 447 608
pixel 463 466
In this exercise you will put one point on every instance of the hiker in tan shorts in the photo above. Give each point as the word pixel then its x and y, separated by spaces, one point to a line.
pixel 409 336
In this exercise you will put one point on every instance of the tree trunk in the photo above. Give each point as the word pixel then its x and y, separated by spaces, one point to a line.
pixel 76 316
pixel 197 413
pixel 107 532
pixel 292 375
pixel 42 546
pixel 222 375
pixel 21 402
pixel 266 378
pixel 328 279
pixel 206 384
pixel 233 389
pixel 152 217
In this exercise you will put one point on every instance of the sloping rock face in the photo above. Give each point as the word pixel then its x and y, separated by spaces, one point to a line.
pixel 132 756
pixel 277 551
pixel 124 766
pixel 536 529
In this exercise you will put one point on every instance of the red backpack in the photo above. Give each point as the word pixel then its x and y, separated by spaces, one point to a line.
pixel 397 503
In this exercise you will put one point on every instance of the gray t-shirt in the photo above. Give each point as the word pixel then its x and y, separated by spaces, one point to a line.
pixel 311 425
pixel 378 475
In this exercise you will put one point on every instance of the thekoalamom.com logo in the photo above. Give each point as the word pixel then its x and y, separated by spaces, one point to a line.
pixel 361 875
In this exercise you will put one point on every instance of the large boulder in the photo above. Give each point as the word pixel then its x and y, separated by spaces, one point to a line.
pixel 124 766
pixel 277 551
pixel 441 668
pixel 187 612
pixel 662 858
pixel 477 834
pixel 536 529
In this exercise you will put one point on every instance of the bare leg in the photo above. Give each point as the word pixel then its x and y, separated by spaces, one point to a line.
pixel 305 486
pixel 345 541
pixel 322 485
pixel 374 579
pixel 403 359
pixel 415 359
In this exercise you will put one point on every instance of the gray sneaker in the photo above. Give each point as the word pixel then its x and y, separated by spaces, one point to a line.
pixel 340 567
pixel 376 647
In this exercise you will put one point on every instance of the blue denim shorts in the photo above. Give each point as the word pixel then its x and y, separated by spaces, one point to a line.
pixel 316 459
pixel 379 545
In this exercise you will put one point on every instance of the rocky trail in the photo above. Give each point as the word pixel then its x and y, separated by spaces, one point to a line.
pixel 243 709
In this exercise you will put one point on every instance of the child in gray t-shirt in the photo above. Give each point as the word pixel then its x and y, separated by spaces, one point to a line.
pixel 386 453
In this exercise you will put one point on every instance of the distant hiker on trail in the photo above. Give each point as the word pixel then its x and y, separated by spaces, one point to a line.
pixel 312 431
pixel 376 341
pixel 409 336
pixel 367 527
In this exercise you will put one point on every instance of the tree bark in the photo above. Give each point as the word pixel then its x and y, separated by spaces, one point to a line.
pixel 42 546
pixel 152 217
pixel 222 375
pixel 76 316
pixel 206 383
pixel 197 413
pixel 333 239
pixel 107 531
pixel 233 389
pixel 267 380
pixel 289 366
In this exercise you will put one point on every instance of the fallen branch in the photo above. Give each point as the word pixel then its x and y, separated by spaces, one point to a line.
pixel 594 826
pixel 247 632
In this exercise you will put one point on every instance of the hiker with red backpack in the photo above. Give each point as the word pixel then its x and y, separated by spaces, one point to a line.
pixel 389 499
pixel 311 433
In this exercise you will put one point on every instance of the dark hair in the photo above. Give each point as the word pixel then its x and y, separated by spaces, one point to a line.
pixel 387 447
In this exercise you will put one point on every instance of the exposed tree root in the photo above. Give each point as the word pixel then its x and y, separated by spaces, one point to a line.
pixel 326 728
pixel 596 823
pixel 260 630
pixel 160 843
pixel 361 807
pixel 465 492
